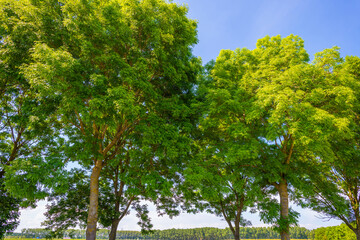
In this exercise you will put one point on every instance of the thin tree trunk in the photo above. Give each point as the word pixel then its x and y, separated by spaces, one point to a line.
pixel 94 201
pixel 237 230
pixel 237 234
pixel 114 226
pixel 238 218
pixel 284 209
pixel 357 233
pixel 226 218
pixel 237 226
pixel 12 156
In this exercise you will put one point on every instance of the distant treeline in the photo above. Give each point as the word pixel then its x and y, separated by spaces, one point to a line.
pixel 176 234
pixel 341 232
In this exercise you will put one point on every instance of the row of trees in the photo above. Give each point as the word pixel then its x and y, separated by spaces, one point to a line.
pixel 341 232
pixel 105 84
pixel 277 121
pixel 180 234
pixel 113 86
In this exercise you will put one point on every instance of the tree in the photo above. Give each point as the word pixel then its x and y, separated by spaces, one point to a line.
pixel 9 214
pixel 120 69
pixel 336 191
pixel 277 102
pixel 223 190
pixel 220 182
pixel 120 191
pixel 25 122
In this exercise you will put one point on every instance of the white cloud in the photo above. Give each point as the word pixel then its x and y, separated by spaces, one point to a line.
pixel 32 218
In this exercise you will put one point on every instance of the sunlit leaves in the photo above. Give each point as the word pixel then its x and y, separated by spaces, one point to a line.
pixel 273 111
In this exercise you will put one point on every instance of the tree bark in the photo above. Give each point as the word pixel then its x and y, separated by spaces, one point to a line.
pixel 357 233
pixel 222 208
pixel 284 209
pixel 237 235
pixel 237 229
pixel 94 201
pixel 12 157
pixel 238 218
pixel 114 226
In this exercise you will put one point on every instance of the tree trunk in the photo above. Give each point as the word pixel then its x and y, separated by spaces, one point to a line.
pixel 357 233
pixel 237 227
pixel 237 234
pixel 284 209
pixel 237 220
pixel 94 201
pixel 114 226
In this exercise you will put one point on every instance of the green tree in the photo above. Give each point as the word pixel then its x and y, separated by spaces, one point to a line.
pixel 222 191
pixel 9 214
pixel 336 190
pixel 120 69
pixel 335 232
pixel 217 174
pixel 25 122
pixel 120 191
pixel 277 102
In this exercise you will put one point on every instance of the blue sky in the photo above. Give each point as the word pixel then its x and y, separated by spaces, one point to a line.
pixel 231 24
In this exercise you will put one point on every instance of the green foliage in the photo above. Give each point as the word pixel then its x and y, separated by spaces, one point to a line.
pixel 274 112
pixel 336 193
pixel 118 78
pixel 27 134
pixel 120 68
pixel 341 232
pixel 220 182
pixel 114 86
pixel 9 214
pixel 120 192
pixel 68 204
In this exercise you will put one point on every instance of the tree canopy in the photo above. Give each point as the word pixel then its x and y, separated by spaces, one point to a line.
pixel 118 73
pixel 277 113
pixel 122 75
pixel 113 86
